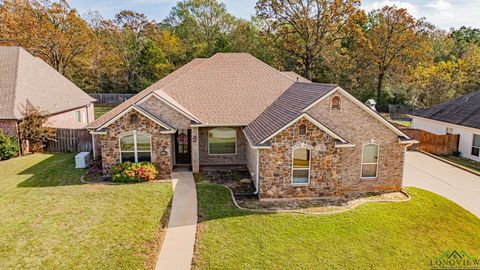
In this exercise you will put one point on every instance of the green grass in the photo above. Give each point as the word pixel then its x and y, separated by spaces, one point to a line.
pixel 101 110
pixel 373 236
pixel 49 220
pixel 464 162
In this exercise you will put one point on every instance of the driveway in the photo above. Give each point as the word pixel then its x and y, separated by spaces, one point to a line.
pixel 451 182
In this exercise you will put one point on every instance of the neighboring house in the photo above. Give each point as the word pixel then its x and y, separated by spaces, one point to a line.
pixel 458 116
pixel 298 139
pixel 25 79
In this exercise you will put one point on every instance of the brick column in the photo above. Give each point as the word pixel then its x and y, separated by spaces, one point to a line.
pixel 195 151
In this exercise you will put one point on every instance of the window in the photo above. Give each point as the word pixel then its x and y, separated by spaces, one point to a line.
pixel 135 148
pixel 370 161
pixel 78 116
pixel 222 141
pixel 476 145
pixel 302 130
pixel 301 166
pixel 336 103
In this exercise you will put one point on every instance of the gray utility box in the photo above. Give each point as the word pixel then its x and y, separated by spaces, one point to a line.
pixel 82 160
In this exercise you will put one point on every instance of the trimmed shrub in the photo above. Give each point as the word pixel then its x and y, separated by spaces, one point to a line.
pixel 8 147
pixel 128 172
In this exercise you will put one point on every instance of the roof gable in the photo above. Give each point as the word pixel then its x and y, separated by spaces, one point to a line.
pixel 463 111
pixel 288 107
pixel 28 79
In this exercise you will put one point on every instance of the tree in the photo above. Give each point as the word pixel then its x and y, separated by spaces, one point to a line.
pixel 200 24
pixel 52 31
pixel 33 128
pixel 308 27
pixel 393 42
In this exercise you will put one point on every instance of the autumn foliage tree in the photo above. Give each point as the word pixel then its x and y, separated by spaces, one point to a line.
pixel 308 27
pixel 393 41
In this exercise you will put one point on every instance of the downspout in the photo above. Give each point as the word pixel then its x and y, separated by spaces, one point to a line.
pixel 93 146
pixel 257 175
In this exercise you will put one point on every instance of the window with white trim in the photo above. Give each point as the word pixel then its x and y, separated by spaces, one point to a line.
pixel 135 147
pixel 301 166
pixel 302 130
pixel 370 160
pixel 476 145
pixel 222 141
pixel 78 116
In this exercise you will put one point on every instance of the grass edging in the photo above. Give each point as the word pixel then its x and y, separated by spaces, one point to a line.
pixel 310 213
pixel 451 163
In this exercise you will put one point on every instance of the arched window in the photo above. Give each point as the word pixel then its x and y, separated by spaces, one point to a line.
pixel 135 147
pixel 370 160
pixel 222 141
pixel 336 103
pixel 302 130
pixel 301 166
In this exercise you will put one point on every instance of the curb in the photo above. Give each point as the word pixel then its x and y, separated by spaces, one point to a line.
pixel 312 213
pixel 451 163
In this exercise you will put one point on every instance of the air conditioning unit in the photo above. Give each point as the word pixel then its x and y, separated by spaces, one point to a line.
pixel 82 160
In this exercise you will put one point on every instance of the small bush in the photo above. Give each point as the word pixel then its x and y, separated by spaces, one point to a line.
pixel 8 147
pixel 128 172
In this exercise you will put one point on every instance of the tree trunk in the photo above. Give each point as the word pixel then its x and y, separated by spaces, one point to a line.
pixel 379 87
pixel 308 64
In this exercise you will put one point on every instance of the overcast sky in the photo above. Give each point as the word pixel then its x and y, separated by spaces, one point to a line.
pixel 443 13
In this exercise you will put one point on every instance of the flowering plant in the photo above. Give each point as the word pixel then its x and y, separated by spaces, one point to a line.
pixel 128 172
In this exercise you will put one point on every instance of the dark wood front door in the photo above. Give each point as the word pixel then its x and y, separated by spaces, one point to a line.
pixel 182 147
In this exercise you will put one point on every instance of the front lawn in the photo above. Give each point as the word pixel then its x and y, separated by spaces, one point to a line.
pixel 403 235
pixel 471 164
pixel 49 220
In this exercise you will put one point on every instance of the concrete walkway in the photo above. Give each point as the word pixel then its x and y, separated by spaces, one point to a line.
pixel 451 182
pixel 177 248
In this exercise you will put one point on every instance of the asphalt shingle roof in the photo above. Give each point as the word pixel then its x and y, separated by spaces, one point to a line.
pixel 463 111
pixel 285 109
pixel 225 89
pixel 25 78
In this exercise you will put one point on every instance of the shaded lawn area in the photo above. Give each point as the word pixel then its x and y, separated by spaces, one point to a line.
pixel 373 236
pixel 101 110
pixel 49 220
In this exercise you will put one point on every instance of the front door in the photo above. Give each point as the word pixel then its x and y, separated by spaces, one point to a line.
pixel 182 147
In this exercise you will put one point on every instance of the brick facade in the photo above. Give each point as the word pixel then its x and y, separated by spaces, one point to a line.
pixel 276 164
pixel 9 127
pixel 68 119
pixel 359 127
pixel 169 115
pixel 110 144
pixel 240 158
pixel 334 171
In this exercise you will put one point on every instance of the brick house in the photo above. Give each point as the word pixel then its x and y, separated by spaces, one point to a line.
pixel 297 138
pixel 25 79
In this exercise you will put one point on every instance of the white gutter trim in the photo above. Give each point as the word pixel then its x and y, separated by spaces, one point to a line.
pixel 349 145
pixel 408 142
pixel 93 146
pixel 98 132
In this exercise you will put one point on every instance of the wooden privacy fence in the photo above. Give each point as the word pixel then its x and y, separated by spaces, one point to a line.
pixel 432 143
pixel 70 140
pixel 110 99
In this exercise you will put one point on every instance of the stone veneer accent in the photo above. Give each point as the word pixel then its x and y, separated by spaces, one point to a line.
pixel 110 143
pixel 194 150
pixel 359 127
pixel 237 159
pixel 334 171
pixel 276 164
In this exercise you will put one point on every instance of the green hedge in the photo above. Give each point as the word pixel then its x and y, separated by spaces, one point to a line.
pixel 8 147
pixel 128 172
